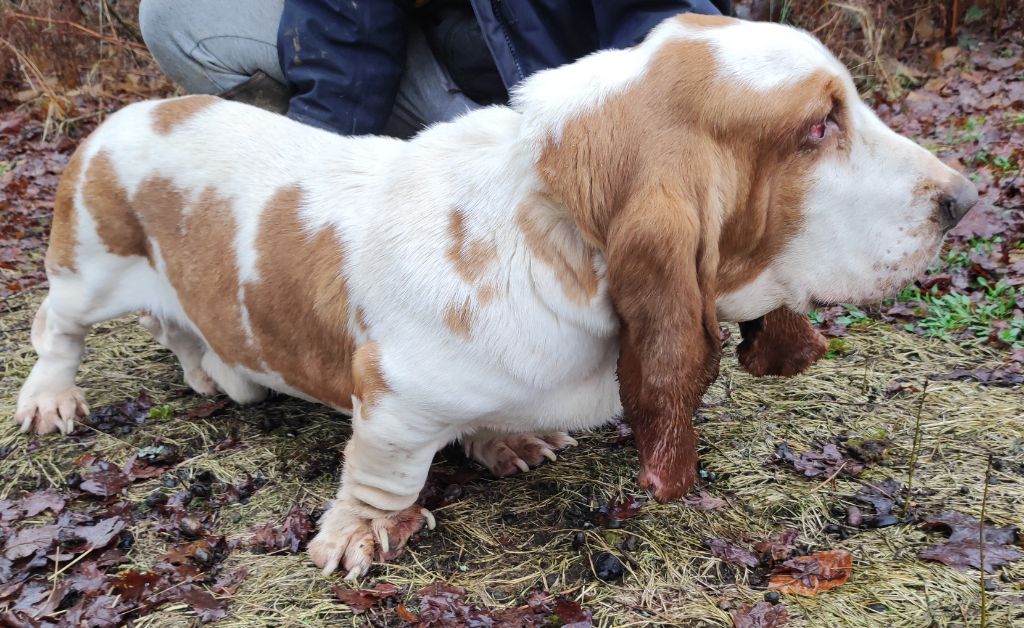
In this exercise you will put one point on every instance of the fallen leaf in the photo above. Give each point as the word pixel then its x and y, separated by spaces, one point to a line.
pixel 103 479
pixel 28 541
pixel 207 409
pixel 779 546
pixel 964 528
pixel 760 615
pixel 207 607
pixel 291 535
pixel 360 600
pixel 570 614
pixel 135 586
pixel 405 614
pixel 705 501
pixel 827 463
pixel 810 575
pixel 964 554
pixel 964 547
pixel 100 534
pixel 37 502
pixel 120 418
pixel 730 553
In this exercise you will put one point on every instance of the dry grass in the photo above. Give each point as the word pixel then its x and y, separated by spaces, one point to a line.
pixel 64 61
pixel 505 536
pixel 870 36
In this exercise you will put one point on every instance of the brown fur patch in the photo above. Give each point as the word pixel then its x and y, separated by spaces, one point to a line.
pixel 781 342
pixel 60 255
pixel 689 184
pixel 107 201
pixel 555 241
pixel 299 308
pixel 471 257
pixel 368 377
pixel 486 294
pixel 198 250
pixel 361 319
pixel 458 317
pixel 170 114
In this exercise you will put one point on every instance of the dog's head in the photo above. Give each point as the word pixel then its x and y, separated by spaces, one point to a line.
pixel 727 169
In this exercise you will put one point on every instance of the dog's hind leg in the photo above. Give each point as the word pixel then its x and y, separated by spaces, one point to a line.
pixel 187 347
pixel 240 388
pixel 49 399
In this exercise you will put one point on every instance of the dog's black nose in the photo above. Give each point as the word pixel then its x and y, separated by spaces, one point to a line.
pixel 956 202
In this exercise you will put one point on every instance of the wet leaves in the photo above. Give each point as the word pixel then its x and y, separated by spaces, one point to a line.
pixel 612 514
pixel 207 409
pixel 730 553
pixel 827 463
pixel 442 604
pixel 118 419
pixel 779 546
pixel 1012 375
pixel 290 536
pixel 810 575
pixel 882 497
pixel 359 600
pixel 705 501
pixel 760 615
pixel 970 544
pixel 103 479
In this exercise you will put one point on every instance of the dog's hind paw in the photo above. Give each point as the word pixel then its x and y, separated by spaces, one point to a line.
pixel 508 454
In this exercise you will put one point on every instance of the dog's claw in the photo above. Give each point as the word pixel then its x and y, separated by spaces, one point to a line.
pixel 508 454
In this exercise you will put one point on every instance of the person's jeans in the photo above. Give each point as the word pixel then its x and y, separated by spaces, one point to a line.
pixel 209 46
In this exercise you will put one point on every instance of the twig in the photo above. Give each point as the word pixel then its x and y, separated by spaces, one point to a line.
pixel 914 451
pixel 84 29
pixel 981 545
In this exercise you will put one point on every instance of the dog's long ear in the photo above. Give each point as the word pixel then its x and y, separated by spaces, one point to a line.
pixel 782 342
pixel 634 176
pixel 662 259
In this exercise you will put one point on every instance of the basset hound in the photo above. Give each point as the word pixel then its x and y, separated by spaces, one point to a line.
pixel 504 278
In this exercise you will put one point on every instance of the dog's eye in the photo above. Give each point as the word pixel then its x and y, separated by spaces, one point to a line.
pixel 821 130
pixel 818 130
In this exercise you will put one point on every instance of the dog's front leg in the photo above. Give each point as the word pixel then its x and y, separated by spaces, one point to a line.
pixel 386 464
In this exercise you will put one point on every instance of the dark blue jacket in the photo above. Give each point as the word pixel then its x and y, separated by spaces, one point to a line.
pixel 343 59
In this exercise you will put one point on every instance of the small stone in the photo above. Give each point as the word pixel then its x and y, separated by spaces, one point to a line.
pixel 191 527
pixel 854 517
pixel 156 498
pixel 877 608
pixel 607 567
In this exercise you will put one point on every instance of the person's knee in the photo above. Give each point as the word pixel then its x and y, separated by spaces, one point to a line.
pixel 158 21
pixel 168 29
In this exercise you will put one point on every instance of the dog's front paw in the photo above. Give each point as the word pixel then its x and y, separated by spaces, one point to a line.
pixel 508 454
pixel 351 541
pixel 49 411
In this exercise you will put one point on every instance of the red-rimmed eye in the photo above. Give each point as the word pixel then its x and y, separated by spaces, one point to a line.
pixel 819 131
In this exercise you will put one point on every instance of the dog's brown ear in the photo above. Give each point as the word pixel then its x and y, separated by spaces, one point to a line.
pixel 662 259
pixel 782 342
